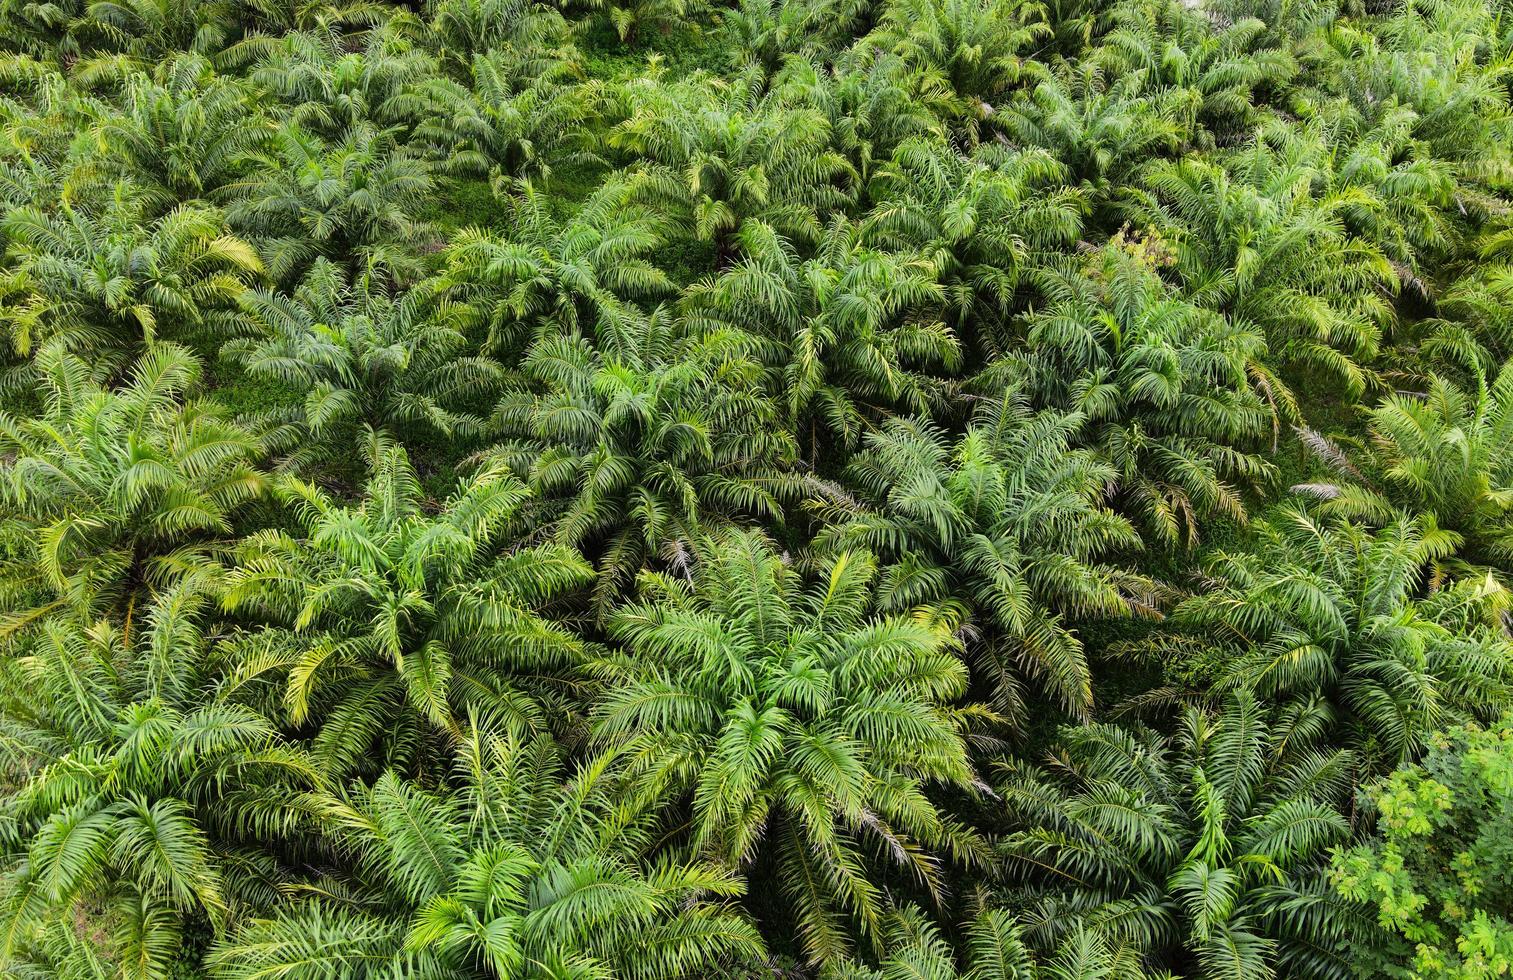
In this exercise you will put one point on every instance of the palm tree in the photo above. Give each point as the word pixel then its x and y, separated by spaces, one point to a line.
pixel 972 46
pixel 1101 129
pixel 797 732
pixel 509 871
pixel 993 950
pixel 578 276
pixel 1448 456
pixel 137 798
pixel 337 84
pixel 104 284
pixel 983 221
pixel 845 330
pixel 110 493
pixel 353 201
pixel 1204 849
pixel 1225 73
pixel 998 536
pixel 515 120
pixel 523 29
pixel 1254 241
pixel 183 134
pixel 633 453
pixel 358 358
pixel 718 161
pixel 1324 609
pixel 389 623
pixel 1169 388
pixel 123 36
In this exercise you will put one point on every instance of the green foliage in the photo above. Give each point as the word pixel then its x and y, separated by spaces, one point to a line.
pixel 392 623
pixel 792 725
pixel 1202 847
pixel 998 535
pixel 108 492
pixel 650 456
pixel 1436 876
pixel 358 359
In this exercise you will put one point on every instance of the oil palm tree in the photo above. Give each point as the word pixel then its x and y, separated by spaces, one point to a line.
pixel 389 622
pixel 636 452
pixel 1202 849
pixel 718 162
pixel 334 83
pixel 110 493
pixel 137 798
pixel 513 870
pixel 982 220
pixel 1325 609
pixel 1170 390
pixel 1448 455
pixel 974 46
pixel 993 949
pixel 353 201
pixel 848 332
pixel 515 120
pixel 998 535
pixel 356 357
pixel 1252 240
pixel 797 731
pixel 105 283
pixel 578 276
pixel 183 134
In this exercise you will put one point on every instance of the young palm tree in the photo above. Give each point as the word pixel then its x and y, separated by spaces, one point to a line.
pixel 846 329
pixel 1100 128
pixel 796 731
pixel 718 160
pixel 1252 240
pixel 579 276
pixel 357 358
pixel 1203 849
pixel 998 536
pixel 137 799
pixel 1168 388
pixel 1449 456
pixel 515 120
pixel 633 454
pixel 184 134
pixel 389 623
pixel 973 46
pixel 104 284
pixel 123 36
pixel 1324 609
pixel 521 28
pixel 510 871
pixel 353 202
pixel 336 84
pixel 983 221
pixel 111 493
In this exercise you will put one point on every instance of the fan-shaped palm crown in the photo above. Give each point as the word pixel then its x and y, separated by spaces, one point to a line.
pixel 1169 389
pixel 108 492
pixel 138 798
pixel 512 872
pixel 1201 849
pixel 1324 608
pixel 388 620
pixel 633 454
pixel 800 731
pixel 360 357
pixel 999 533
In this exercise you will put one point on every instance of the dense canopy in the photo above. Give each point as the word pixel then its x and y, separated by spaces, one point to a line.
pixel 788 489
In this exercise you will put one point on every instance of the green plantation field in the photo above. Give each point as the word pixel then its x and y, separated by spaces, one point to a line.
pixel 756 489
